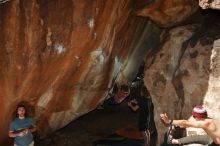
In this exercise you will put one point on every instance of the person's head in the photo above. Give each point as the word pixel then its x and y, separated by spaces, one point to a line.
pixel 199 112
pixel 21 111
pixel 144 92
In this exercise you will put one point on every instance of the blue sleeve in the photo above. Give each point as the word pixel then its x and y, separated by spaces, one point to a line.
pixel 11 127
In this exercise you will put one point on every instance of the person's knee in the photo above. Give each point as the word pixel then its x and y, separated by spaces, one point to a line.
pixel 175 141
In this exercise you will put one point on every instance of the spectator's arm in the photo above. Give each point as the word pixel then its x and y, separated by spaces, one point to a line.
pixel 12 134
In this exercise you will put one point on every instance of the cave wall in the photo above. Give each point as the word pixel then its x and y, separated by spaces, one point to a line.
pixel 211 98
pixel 61 57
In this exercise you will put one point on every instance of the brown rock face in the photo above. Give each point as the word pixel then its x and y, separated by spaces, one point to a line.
pixel 166 13
pixel 60 57
pixel 185 72
pixel 164 82
pixel 211 100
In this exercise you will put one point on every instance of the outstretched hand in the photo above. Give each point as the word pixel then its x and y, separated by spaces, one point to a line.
pixel 165 118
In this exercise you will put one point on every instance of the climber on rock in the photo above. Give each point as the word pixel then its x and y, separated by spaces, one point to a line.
pixel 210 126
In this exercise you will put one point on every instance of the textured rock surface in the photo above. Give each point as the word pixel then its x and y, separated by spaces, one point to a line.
pixel 181 74
pixel 211 100
pixel 160 75
pixel 145 44
pixel 169 12
pixel 60 57
pixel 206 4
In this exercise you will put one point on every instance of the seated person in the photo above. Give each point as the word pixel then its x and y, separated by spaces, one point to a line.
pixel 202 121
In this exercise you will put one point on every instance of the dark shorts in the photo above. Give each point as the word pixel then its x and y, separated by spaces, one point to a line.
pixel 213 144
